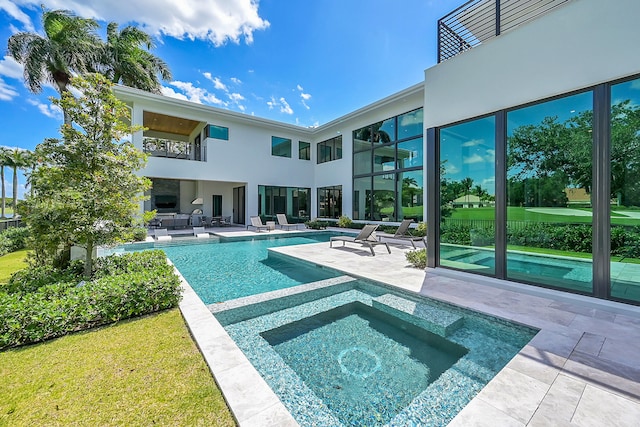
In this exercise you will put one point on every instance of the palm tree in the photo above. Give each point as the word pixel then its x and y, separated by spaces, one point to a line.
pixel 18 159
pixel 69 46
pixel 125 59
pixel 4 161
pixel 467 183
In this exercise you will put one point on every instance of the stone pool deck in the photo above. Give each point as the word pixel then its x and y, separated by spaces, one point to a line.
pixel 581 369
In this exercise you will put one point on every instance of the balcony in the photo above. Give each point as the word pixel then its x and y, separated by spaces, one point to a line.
pixel 160 147
pixel 479 20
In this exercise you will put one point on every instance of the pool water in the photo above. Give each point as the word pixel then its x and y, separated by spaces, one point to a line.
pixel 365 365
pixel 221 270
pixel 362 354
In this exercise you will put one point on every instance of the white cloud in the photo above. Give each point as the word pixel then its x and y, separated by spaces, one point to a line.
pixel 473 143
pixel 7 92
pixel 474 158
pixel 236 97
pixel 281 103
pixel 49 110
pixel 217 83
pixel 451 169
pixel 191 93
pixel 218 21
pixel 236 80
pixel 13 10
pixel 299 88
pixel 304 97
pixel 10 68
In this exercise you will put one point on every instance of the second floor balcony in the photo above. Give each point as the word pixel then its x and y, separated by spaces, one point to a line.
pixel 480 20
pixel 161 147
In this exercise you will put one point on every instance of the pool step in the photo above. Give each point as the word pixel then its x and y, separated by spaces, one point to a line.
pixel 433 319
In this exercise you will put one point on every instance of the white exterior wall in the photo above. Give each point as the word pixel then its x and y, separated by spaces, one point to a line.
pixel 577 45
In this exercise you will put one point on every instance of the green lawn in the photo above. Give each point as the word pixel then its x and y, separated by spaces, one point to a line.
pixel 11 263
pixel 523 214
pixel 141 372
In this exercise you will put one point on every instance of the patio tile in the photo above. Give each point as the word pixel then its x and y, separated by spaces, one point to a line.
pixel 481 414
pixel 535 363
pixel 276 415
pixel 514 393
pixel 559 404
pixel 622 351
pixel 585 311
pixel 598 408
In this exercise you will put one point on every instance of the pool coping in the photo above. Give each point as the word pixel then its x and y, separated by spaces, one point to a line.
pixel 578 367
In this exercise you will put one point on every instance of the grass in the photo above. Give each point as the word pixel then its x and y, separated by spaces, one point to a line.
pixel 515 213
pixel 146 371
pixel 10 263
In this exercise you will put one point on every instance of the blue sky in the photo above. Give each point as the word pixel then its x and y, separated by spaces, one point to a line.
pixel 299 62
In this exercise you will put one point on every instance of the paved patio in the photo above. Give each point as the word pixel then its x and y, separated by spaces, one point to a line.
pixel 581 369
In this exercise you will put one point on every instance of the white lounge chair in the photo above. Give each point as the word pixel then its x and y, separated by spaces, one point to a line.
pixel 200 233
pixel 284 223
pixel 162 235
pixel 403 233
pixel 365 238
pixel 256 223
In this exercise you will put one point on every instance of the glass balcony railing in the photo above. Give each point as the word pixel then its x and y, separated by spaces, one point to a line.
pixel 160 147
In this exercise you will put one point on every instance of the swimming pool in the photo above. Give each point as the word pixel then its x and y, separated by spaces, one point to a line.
pixel 356 353
pixel 221 269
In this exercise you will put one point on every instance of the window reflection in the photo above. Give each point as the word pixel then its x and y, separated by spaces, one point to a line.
pixel 549 183
pixel 625 190
pixel 467 196
pixel 411 190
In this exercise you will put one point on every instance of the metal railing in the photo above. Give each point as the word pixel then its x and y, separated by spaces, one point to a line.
pixel 479 20
pixel 159 147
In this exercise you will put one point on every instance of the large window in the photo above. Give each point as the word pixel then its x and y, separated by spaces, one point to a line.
pixel 304 150
pixel 467 194
pixel 291 201
pixel 387 155
pixel 330 150
pixel 330 202
pixel 549 169
pixel 546 193
pixel 625 190
pixel 280 147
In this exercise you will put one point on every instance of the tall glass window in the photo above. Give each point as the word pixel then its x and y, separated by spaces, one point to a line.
pixel 330 150
pixel 411 190
pixel 380 151
pixel 549 183
pixel 304 150
pixel 362 198
pixel 291 201
pixel 625 190
pixel 330 202
pixel 467 196
pixel 280 147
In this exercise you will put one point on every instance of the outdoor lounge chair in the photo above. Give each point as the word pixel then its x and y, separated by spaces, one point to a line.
pixel 402 233
pixel 162 235
pixel 256 223
pixel 283 223
pixel 365 238
pixel 199 232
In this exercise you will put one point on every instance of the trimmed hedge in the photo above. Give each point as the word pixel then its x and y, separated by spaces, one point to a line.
pixel 625 241
pixel 123 286
pixel 417 258
pixel 13 239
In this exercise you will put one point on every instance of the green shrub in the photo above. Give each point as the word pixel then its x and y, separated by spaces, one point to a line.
pixel 344 222
pixel 35 277
pixel 417 258
pixel 139 234
pixel 123 286
pixel 420 230
pixel 13 239
pixel 316 224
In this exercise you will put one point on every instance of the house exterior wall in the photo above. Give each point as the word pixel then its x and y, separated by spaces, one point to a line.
pixel 579 44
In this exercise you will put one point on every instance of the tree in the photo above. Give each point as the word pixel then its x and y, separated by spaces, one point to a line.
pixel 125 58
pixel 4 161
pixel 86 191
pixel 69 46
pixel 467 183
pixel 18 158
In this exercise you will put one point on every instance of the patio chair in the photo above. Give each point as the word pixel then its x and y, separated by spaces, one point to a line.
pixel 283 223
pixel 365 238
pixel 403 233
pixel 162 235
pixel 256 223
pixel 225 221
pixel 200 233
